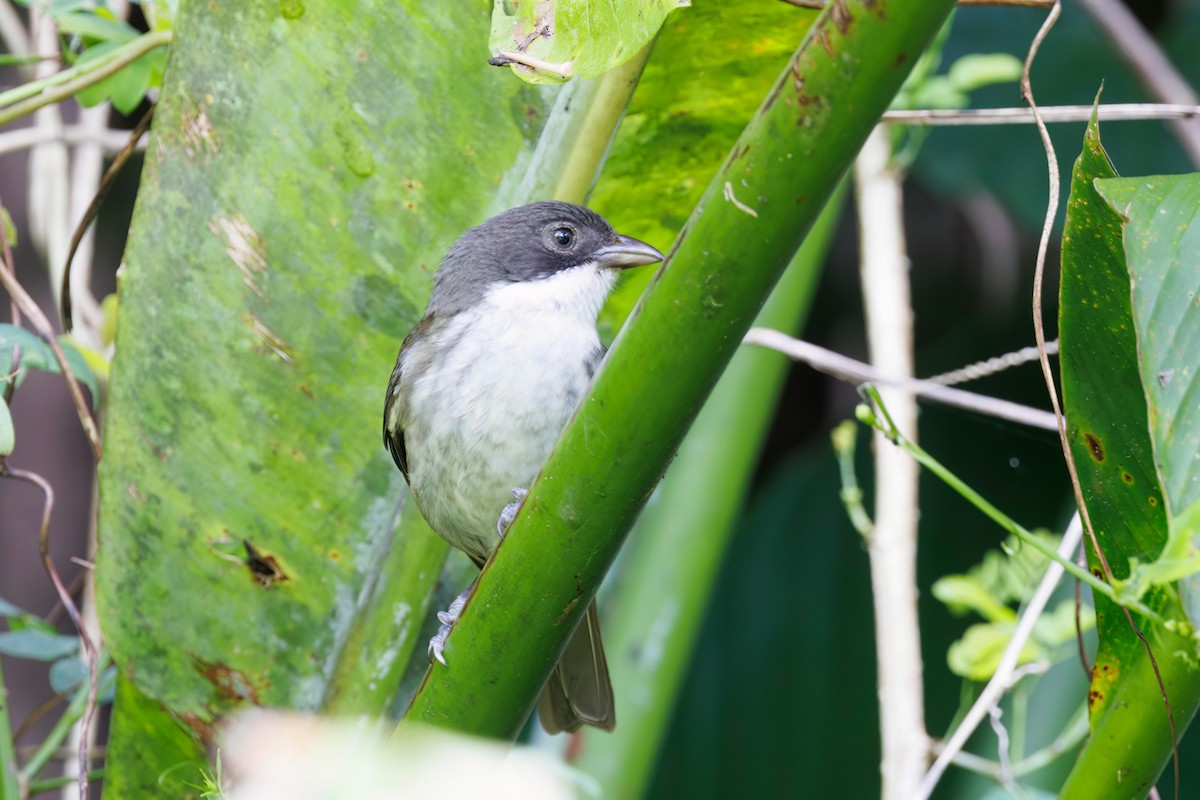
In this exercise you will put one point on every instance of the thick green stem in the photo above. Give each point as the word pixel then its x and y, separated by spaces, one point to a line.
pixel 742 235
pixel 71 81
pixel 664 584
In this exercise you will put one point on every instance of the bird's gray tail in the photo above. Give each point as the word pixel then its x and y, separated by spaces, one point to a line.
pixel 579 691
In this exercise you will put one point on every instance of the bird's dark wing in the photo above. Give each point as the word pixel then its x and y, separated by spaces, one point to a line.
pixel 396 400
pixel 393 434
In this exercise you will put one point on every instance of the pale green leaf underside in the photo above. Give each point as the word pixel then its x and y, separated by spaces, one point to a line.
pixel 1162 249
pixel 580 38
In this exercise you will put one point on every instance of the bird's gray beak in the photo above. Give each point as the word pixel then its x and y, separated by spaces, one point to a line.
pixel 627 252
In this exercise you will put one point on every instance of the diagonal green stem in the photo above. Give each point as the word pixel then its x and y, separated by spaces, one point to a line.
pixel 996 515
pixel 29 97
pixel 744 232
pixel 664 583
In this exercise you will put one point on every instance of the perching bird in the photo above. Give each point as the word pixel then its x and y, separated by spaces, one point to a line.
pixel 485 383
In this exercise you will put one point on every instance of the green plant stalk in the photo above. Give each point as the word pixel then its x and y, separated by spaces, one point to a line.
pixel 1075 732
pixel 851 495
pixel 663 586
pixel 50 784
pixel 385 632
pixel 576 138
pixel 62 727
pixel 746 229
pixel 71 81
pixel 597 126
pixel 9 783
pixel 1131 741
pixel 996 515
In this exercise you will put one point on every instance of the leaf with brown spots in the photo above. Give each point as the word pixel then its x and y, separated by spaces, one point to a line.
pixel 1110 435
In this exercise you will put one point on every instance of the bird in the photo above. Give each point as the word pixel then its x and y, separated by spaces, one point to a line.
pixel 485 383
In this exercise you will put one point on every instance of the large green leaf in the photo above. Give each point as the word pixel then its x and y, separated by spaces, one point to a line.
pixel 575 38
pixel 1107 423
pixel 1105 411
pixel 1162 247
pixel 301 187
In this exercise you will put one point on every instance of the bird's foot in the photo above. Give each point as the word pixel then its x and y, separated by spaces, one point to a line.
pixel 447 619
pixel 510 511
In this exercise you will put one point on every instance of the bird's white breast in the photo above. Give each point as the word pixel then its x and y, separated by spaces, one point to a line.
pixel 502 380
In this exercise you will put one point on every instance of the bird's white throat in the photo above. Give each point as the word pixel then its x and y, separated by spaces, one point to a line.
pixel 507 375
pixel 578 291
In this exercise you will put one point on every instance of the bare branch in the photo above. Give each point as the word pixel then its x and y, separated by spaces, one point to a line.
pixel 1002 680
pixel 892 544
pixel 1115 112
pixel 982 369
pixel 848 369
pixel 110 141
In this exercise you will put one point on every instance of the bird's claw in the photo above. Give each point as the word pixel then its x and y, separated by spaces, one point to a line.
pixel 510 511
pixel 447 619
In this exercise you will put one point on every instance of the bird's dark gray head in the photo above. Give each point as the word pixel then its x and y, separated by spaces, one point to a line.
pixel 530 243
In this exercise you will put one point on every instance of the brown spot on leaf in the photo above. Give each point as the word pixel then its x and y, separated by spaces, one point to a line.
pixel 840 15
pixel 1153 501
pixel 264 569
pixel 1125 476
pixel 203 730
pixel 229 683
pixel 1095 447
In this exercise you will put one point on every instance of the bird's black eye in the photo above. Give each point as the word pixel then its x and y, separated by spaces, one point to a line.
pixel 563 237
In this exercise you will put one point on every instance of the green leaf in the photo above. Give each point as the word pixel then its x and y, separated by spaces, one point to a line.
pixel 10 230
pixel 1058 627
pixel 977 70
pixel 67 673
pixel 128 87
pixel 963 593
pixel 582 38
pixel 7 609
pixel 977 654
pixel 94 26
pixel 712 66
pixel 281 248
pixel 1162 250
pixel 7 434
pixel 37 645
pixel 1109 427
pixel 36 354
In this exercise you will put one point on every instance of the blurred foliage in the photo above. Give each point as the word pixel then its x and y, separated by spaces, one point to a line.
pixel 1071 66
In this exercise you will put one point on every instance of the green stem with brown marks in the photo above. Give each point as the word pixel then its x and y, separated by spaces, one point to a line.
pixel 737 243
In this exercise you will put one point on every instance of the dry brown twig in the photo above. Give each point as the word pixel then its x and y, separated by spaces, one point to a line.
pixel 65 598
pixel 42 325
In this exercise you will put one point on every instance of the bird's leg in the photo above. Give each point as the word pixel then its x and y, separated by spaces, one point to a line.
pixel 447 619
pixel 510 511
